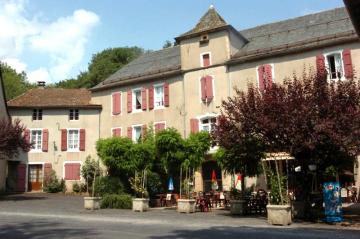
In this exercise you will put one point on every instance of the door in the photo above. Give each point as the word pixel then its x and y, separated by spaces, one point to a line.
pixel 35 177
pixel 20 177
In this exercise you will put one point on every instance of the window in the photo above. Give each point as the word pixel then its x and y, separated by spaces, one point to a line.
pixel 36 140
pixel 205 59
pixel 334 65
pixel 72 171
pixel 136 100
pixel 37 114
pixel 74 114
pixel 136 135
pixel 73 139
pixel 207 124
pixel 158 96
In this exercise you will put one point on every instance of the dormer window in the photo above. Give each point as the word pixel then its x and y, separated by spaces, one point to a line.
pixel 37 114
pixel 74 114
pixel 204 39
pixel 205 60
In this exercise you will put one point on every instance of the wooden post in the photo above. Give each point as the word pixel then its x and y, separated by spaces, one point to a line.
pixel 279 181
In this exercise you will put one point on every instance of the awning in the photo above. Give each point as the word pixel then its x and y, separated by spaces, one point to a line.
pixel 278 156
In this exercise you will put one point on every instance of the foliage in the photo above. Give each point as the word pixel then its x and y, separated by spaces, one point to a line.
pixel 89 170
pixel 122 201
pixel 138 185
pixel 314 120
pixel 53 184
pixel 196 146
pixel 15 83
pixel 12 138
pixel 79 187
pixel 108 185
pixel 154 185
pixel 278 194
pixel 167 44
pixel 102 65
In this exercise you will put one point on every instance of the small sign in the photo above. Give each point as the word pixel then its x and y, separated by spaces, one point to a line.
pixel 332 200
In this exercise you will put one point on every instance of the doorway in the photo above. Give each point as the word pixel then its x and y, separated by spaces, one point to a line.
pixel 209 168
pixel 35 177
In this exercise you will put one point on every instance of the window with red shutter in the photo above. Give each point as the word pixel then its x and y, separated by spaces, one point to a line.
pixel 209 88
pixel 129 101
pixel 159 126
pixel 82 140
pixel 116 132
pixel 72 171
pixel 320 64
pixel 268 76
pixel 63 140
pixel 116 103
pixel 203 88
pixel 194 125
pixel 205 59
pixel 143 99
pixel 45 140
pixel 348 68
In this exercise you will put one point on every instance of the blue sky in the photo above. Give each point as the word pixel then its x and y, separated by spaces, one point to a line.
pixel 54 40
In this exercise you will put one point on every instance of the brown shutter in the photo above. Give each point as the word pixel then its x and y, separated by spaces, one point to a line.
pixel 27 135
pixel 348 68
pixel 166 94
pixel 116 104
pixel 194 125
pixel 143 99
pixel 113 132
pixel 20 177
pixel 63 140
pixel 129 132
pixel 268 76
pixel 82 140
pixel 47 171
pixel 129 101
pixel 45 140
pixel 203 88
pixel 76 170
pixel 261 75
pixel 209 88
pixel 151 97
pixel 320 64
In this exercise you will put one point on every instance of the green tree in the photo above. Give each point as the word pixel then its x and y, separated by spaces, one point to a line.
pixel 15 83
pixel 167 44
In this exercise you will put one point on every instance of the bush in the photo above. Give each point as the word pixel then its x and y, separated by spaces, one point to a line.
pixel 108 185
pixel 53 184
pixel 122 201
pixel 79 188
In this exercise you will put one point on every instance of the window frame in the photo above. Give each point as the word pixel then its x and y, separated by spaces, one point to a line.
pixel 36 150
pixel 214 148
pixel 133 135
pixel 67 140
pixel 74 114
pixel 327 67
pixel 163 96
pixel 202 57
pixel 133 100
pixel 37 114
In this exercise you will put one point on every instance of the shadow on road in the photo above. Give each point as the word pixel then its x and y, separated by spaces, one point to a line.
pixel 259 233
pixel 43 230
pixel 21 197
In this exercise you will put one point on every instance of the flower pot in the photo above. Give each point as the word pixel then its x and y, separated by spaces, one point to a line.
pixel 92 202
pixel 279 214
pixel 237 207
pixel 186 205
pixel 140 204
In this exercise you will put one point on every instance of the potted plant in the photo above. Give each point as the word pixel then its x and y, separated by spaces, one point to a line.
pixel 90 170
pixel 141 201
pixel 195 148
pixel 237 202
pixel 279 208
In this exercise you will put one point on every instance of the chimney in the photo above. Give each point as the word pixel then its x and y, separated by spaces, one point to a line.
pixel 41 84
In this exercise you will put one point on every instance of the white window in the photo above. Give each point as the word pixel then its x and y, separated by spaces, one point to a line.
pixel 36 139
pixel 74 114
pixel 136 134
pixel 334 65
pixel 136 99
pixel 37 114
pixel 73 139
pixel 207 124
pixel 158 96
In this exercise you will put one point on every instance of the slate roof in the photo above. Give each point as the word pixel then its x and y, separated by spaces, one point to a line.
pixel 314 30
pixel 53 98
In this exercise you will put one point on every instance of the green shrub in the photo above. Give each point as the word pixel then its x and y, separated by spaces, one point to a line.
pixel 122 201
pixel 53 185
pixel 79 188
pixel 108 185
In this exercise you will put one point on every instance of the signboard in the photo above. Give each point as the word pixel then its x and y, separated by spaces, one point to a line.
pixel 332 200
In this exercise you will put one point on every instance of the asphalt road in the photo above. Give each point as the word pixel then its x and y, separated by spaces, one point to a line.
pixel 40 217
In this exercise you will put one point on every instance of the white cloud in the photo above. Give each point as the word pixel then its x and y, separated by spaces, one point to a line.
pixel 62 41
pixel 40 74
pixel 16 64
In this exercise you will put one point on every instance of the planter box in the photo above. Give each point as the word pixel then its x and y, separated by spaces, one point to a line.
pixel 140 204
pixel 237 207
pixel 186 205
pixel 279 214
pixel 92 203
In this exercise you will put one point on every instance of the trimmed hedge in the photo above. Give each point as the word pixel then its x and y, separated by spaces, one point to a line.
pixel 119 201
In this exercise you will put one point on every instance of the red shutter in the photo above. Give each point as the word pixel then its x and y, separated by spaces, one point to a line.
pixel 143 99
pixel 194 125
pixel 63 140
pixel 47 171
pixel 348 68
pixel 45 140
pixel 209 88
pixel 261 75
pixel 320 64
pixel 159 127
pixel 82 140
pixel 72 171
pixel 129 132
pixel 116 132
pixel 151 97
pixel 166 94
pixel 129 101
pixel 20 177
pixel 268 76
pixel 206 60
pixel 203 88
pixel 27 135
pixel 116 103
pixel 76 168
pixel 67 171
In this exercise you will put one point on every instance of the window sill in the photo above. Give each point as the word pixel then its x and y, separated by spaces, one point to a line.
pixel 159 108
pixel 73 151
pixel 36 151
pixel 137 111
